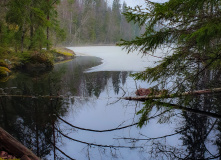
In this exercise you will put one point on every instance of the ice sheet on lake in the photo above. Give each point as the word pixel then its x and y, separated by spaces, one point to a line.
pixel 116 59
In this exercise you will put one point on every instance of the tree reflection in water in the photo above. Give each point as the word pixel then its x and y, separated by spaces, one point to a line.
pixel 199 120
pixel 68 90
pixel 29 117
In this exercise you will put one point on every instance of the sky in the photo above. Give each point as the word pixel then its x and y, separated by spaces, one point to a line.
pixel 133 3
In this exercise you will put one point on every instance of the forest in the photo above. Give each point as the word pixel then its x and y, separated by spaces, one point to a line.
pixel 184 83
pixel 95 22
pixel 33 25
pixel 31 31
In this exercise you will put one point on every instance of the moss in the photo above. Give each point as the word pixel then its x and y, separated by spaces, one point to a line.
pixel 3 51
pixel 4 72
pixel 31 62
pixel 3 63
pixel 63 54
pixel 4 79
pixel 43 58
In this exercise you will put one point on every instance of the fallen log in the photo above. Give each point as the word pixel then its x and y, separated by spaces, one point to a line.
pixel 161 96
pixel 14 147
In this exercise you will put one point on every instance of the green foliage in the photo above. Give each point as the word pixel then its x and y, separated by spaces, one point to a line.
pixel 40 16
pixel 35 57
pixel 60 34
pixel 148 107
pixel 145 111
pixel 26 24
pixel 3 63
pixel 94 22
pixel 39 39
pixel 192 29
pixel 71 1
pixel 3 51
pixel 4 72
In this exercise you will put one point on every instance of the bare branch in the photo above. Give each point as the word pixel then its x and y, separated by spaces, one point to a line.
pixel 147 139
pixel 93 144
pixel 108 130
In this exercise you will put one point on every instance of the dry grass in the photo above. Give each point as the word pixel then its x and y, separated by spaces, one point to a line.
pixel 65 52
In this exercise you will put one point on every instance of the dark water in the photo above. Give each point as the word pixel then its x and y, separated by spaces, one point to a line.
pixel 43 111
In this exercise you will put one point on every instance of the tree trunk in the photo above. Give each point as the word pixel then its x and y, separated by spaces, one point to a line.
pixel 31 33
pixel 48 18
pixel 31 26
pixel 22 40
pixel 14 147
pixel 48 36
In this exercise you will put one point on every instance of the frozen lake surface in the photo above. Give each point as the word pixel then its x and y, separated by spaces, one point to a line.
pixel 116 59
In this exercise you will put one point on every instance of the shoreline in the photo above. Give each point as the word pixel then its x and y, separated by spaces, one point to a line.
pixel 33 61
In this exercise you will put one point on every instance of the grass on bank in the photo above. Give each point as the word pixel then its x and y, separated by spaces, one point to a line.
pixel 64 52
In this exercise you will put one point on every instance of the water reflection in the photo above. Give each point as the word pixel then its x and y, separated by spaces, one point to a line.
pixel 29 117
pixel 198 121
pixel 29 102
pixel 201 134
pixel 69 108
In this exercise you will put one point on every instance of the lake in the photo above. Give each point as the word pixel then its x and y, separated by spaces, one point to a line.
pixel 75 112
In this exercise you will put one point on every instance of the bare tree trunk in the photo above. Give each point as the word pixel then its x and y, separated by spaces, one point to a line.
pixel 70 26
pixel 31 29
pixel 48 36
pixel 22 36
pixel 22 40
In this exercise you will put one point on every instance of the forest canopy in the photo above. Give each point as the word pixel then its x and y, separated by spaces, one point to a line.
pixel 25 24
pixel 31 32
pixel 33 25
pixel 95 22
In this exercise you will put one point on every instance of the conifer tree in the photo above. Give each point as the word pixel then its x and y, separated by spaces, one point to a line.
pixel 20 19
pixel 191 29
pixel 27 23
pixel 116 20
pixel 94 22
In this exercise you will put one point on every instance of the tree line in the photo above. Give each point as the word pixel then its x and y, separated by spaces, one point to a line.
pixel 33 25
pixel 95 22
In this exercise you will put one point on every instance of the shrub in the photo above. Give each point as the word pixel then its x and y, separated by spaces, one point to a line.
pixel 3 63
pixel 4 72
pixel 37 57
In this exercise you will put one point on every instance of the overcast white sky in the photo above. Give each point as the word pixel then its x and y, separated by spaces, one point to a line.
pixel 133 3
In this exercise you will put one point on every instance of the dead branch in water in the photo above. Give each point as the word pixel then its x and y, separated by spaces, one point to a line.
pixel 14 146
pixel 161 96
pixel 94 144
